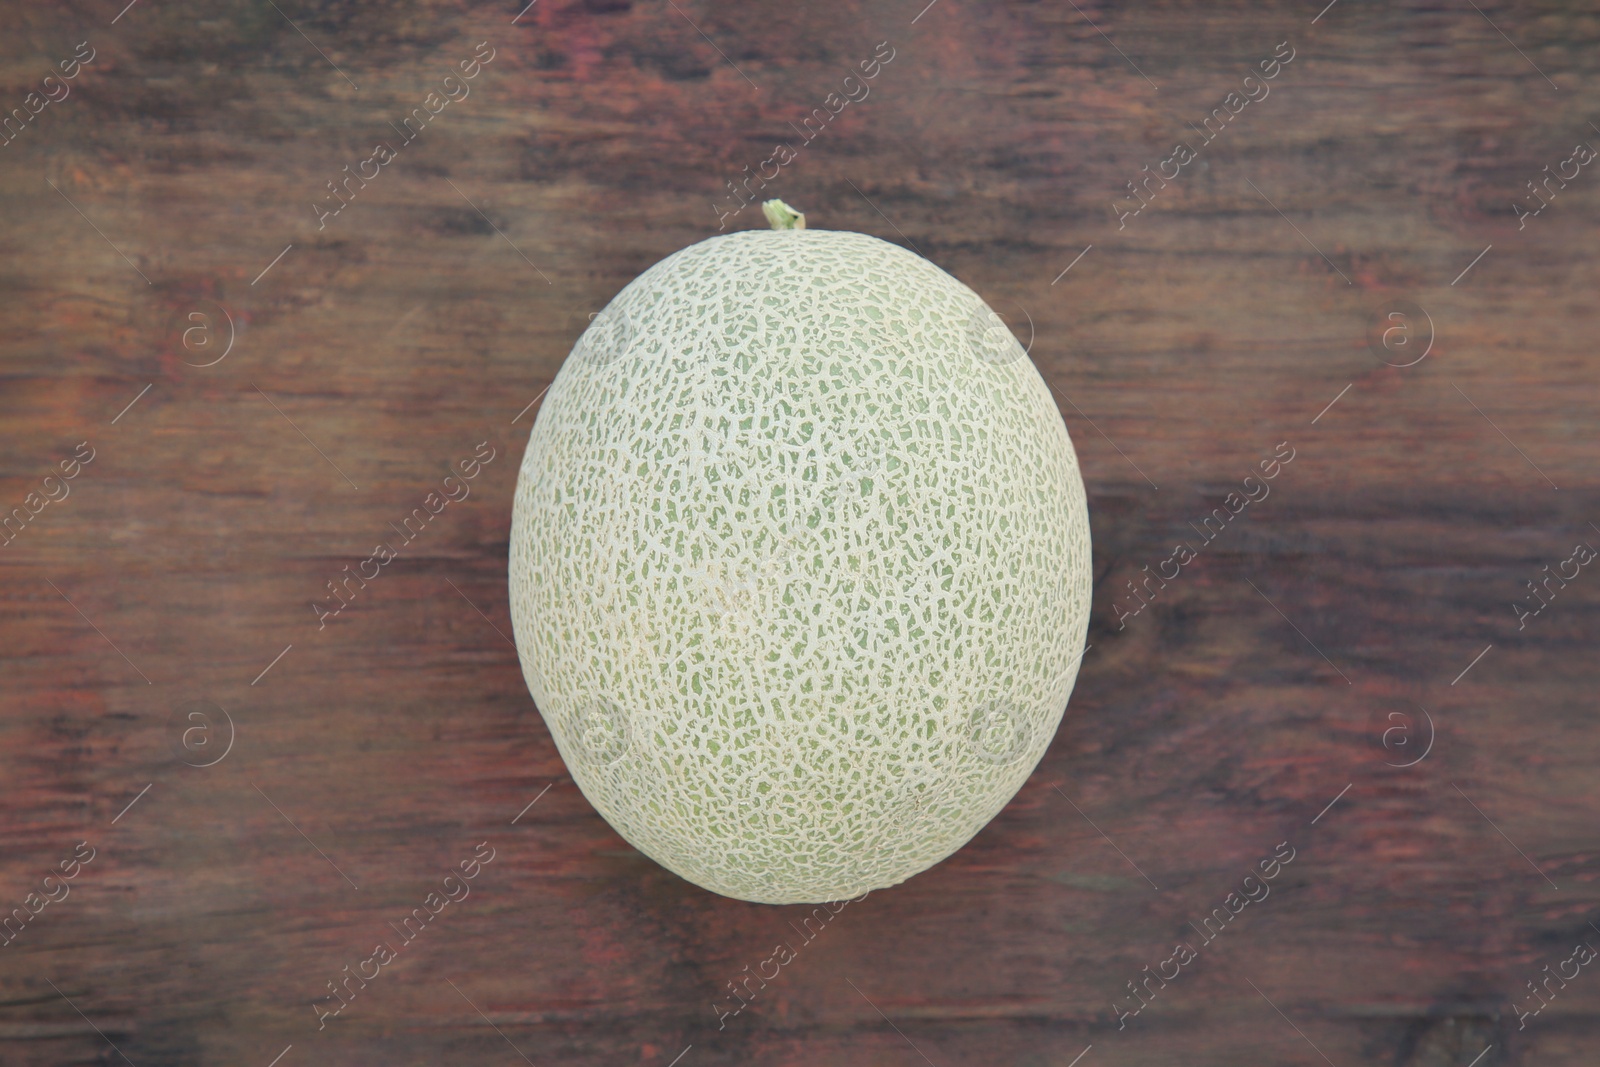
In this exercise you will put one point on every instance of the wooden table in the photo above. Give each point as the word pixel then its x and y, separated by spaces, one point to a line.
pixel 1340 672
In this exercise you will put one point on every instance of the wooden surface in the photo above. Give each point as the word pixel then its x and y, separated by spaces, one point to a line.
pixel 1219 722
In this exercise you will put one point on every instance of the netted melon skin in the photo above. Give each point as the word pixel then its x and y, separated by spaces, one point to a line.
pixel 799 564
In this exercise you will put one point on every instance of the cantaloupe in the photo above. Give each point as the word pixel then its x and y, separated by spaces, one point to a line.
pixel 799 564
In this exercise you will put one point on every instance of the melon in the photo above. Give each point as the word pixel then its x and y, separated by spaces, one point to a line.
pixel 799 564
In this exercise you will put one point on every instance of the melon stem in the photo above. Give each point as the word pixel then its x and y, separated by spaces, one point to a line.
pixel 782 216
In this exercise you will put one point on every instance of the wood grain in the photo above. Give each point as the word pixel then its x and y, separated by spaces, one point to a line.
pixel 1219 721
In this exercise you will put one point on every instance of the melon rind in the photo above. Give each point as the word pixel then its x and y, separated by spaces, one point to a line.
pixel 799 564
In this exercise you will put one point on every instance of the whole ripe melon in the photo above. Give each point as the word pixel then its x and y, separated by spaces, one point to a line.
pixel 799 564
